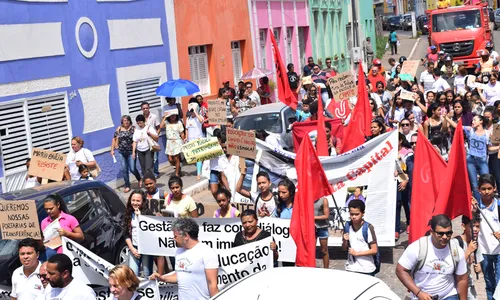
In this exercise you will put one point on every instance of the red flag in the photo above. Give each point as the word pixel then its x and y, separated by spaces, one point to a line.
pixel 361 117
pixel 340 110
pixel 454 198
pixel 285 93
pixel 303 129
pixel 321 142
pixel 312 185
pixel 428 171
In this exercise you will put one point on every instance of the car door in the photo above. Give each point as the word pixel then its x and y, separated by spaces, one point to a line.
pixel 89 209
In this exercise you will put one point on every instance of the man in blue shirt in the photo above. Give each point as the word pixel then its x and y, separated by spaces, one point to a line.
pixel 308 69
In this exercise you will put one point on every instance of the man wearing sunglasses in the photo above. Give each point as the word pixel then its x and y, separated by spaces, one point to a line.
pixel 25 283
pixel 433 267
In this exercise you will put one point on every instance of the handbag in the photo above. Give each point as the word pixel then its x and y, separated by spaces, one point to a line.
pixel 95 171
pixel 153 145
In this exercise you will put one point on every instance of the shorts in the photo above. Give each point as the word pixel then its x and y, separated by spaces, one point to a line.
pixel 322 233
pixel 214 177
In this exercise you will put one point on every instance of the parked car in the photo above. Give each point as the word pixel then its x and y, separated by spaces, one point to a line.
pixel 385 23
pixel 395 22
pixel 497 18
pixel 423 24
pixel 98 209
pixel 405 22
pixel 275 118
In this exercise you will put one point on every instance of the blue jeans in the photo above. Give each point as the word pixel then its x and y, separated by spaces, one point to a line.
pixel 146 261
pixel 399 198
pixel 127 163
pixel 490 266
pixel 476 166
pixel 454 297
pixel 156 164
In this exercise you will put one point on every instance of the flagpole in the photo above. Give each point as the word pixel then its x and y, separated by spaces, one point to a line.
pixel 475 251
pixel 488 222
pixel 338 211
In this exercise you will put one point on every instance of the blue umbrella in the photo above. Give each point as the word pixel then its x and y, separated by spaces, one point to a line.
pixel 177 88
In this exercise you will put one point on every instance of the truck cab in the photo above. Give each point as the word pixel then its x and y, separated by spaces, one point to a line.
pixel 461 31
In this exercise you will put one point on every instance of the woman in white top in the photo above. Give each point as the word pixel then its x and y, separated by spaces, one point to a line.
pixel 123 284
pixel 491 92
pixel 194 124
pixel 142 139
pixel 77 156
pixel 459 83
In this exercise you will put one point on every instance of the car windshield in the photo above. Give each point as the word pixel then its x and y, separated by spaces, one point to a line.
pixel 458 20
pixel 269 122
pixel 497 12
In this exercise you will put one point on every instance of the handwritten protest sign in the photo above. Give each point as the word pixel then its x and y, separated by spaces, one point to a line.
pixel 217 112
pixel 410 67
pixel 241 143
pixel 155 236
pixel 405 95
pixel 19 220
pixel 343 86
pixel 47 164
pixel 201 150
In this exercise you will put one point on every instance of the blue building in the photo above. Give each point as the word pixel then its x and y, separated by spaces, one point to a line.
pixel 72 68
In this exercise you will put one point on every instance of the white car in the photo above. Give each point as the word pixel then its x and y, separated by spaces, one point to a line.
pixel 307 283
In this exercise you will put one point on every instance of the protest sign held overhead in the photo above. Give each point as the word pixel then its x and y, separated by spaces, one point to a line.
pixel 201 150
pixel 47 164
pixel 343 86
pixel 19 220
pixel 410 67
pixel 406 95
pixel 241 143
pixel 217 112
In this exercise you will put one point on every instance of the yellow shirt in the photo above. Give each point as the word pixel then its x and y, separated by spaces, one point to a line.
pixel 184 207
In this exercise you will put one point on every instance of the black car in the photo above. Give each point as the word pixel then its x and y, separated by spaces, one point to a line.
pixel 98 209
pixel 394 22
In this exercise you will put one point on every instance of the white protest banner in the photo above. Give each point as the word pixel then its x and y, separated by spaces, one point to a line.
pixel 155 236
pixel 89 268
pixel 369 168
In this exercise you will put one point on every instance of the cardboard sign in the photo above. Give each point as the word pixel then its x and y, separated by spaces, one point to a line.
pixel 47 164
pixel 201 150
pixel 405 95
pixel 471 80
pixel 241 143
pixel 217 112
pixel 495 134
pixel 343 86
pixel 410 67
pixel 19 220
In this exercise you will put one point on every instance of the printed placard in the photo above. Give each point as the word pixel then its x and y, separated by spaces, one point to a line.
pixel 410 67
pixel 405 95
pixel 217 112
pixel 241 143
pixel 201 150
pixel 47 164
pixel 343 86
pixel 19 220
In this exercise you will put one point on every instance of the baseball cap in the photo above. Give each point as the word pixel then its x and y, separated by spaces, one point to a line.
pixel 225 80
pixel 441 52
pixel 433 47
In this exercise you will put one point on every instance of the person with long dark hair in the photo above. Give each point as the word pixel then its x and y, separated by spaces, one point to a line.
pixel 402 197
pixel 286 196
pixel 435 122
pixel 69 227
pixel 179 202
pixel 136 205
pixel 377 128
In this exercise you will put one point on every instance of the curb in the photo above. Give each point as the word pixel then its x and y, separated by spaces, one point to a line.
pixel 413 50
pixel 196 188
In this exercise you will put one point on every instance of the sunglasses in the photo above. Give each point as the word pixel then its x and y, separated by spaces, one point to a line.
pixel 413 143
pixel 405 124
pixel 447 233
pixel 41 276
pixel 312 90
pixel 248 87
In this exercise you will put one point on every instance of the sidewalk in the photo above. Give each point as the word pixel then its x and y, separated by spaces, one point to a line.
pixel 404 49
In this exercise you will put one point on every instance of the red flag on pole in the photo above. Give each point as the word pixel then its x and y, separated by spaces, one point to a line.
pixel 427 175
pixel 454 198
pixel 361 117
pixel 285 93
pixel 312 185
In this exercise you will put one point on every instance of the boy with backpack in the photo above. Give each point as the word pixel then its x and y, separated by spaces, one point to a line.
pixel 360 241
pixel 468 242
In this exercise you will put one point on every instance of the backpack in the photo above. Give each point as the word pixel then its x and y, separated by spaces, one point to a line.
pixel 364 232
pixel 423 243
pixel 232 211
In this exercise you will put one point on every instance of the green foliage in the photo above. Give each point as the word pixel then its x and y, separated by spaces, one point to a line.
pixel 381 42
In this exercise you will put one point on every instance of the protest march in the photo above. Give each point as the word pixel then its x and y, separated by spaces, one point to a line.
pixel 378 170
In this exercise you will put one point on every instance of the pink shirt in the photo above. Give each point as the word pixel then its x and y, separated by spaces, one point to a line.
pixel 66 221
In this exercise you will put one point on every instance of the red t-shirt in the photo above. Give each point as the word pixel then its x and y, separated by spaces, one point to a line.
pixel 374 79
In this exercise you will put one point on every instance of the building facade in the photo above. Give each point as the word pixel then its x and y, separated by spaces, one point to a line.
pixel 289 20
pixel 214 42
pixel 72 68
pixel 366 24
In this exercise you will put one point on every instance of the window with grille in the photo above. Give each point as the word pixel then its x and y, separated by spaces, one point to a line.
pixel 198 67
pixel 15 149
pixel 236 52
pixel 143 90
pixel 263 40
pixel 276 33
pixel 289 38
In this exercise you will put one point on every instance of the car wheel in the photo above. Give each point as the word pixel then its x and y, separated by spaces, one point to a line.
pixel 122 254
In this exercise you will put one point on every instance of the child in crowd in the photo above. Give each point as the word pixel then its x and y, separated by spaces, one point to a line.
pixel 175 137
pixel 31 181
pixel 84 172
pixel 488 239
pixel 473 256
pixel 226 210
pixel 303 114
pixel 360 241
